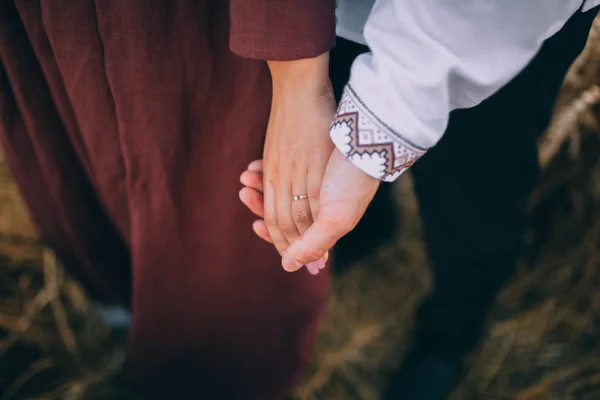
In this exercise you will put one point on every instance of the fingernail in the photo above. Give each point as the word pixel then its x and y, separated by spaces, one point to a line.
pixel 254 166
pixel 319 264
pixel 289 264
pixel 312 269
pixel 326 256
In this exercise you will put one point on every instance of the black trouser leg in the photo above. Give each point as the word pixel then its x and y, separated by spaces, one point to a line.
pixel 379 222
pixel 472 189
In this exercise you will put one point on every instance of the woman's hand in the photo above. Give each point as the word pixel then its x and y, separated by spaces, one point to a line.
pixel 252 196
pixel 345 194
pixel 297 146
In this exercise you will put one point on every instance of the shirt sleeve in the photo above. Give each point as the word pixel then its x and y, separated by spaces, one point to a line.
pixel 429 57
pixel 281 29
pixel 589 4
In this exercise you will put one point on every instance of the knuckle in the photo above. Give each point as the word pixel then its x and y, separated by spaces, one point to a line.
pixel 347 225
pixel 342 225
pixel 301 217
pixel 270 219
pixel 313 191
pixel 287 227
pixel 310 255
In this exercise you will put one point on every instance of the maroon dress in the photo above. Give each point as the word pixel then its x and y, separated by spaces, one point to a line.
pixel 126 124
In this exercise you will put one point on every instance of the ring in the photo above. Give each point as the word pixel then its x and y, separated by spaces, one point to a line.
pixel 300 197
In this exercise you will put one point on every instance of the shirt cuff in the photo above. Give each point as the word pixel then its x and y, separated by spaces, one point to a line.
pixel 369 143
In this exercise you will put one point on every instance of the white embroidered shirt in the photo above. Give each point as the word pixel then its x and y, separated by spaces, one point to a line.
pixel 429 57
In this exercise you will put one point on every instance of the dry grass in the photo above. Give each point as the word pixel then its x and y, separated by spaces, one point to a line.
pixel 51 345
pixel 544 337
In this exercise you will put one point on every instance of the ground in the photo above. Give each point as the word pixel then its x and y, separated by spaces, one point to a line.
pixel 543 340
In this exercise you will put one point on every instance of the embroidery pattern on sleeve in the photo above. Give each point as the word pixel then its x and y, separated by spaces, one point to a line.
pixel 368 142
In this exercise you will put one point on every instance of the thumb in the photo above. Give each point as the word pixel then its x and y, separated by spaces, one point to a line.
pixel 318 239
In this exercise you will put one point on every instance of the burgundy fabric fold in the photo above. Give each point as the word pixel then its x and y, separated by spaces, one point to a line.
pixel 127 124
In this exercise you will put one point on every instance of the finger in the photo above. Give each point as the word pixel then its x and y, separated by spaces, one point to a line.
pixel 312 269
pixel 252 180
pixel 261 230
pixel 313 245
pixel 316 266
pixel 302 215
pixel 314 179
pixel 256 166
pixel 271 218
pixel 253 200
pixel 301 212
pixel 285 219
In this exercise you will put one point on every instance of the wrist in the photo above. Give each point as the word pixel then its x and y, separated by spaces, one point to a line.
pixel 309 74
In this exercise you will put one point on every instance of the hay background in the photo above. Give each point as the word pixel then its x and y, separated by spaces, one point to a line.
pixel 544 337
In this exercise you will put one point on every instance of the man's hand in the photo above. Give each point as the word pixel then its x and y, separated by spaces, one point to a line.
pixel 252 197
pixel 345 194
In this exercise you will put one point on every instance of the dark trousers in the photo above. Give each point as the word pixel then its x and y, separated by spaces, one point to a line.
pixel 472 189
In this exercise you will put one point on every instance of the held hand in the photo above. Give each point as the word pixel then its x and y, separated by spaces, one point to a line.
pixel 252 197
pixel 345 194
pixel 297 147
